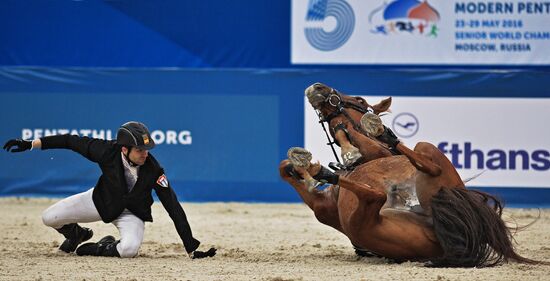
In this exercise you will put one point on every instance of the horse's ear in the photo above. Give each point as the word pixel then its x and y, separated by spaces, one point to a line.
pixel 382 106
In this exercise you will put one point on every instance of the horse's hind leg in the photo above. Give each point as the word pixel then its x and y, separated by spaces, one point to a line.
pixel 420 161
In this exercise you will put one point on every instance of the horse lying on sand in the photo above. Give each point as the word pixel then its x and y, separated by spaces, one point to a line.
pixel 397 203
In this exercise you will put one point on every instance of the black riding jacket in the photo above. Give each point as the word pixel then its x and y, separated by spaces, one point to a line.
pixel 111 195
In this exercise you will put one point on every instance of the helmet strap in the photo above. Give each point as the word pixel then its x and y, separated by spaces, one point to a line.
pixel 127 156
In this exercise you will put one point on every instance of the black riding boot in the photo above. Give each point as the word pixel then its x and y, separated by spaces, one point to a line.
pixel 75 235
pixel 106 247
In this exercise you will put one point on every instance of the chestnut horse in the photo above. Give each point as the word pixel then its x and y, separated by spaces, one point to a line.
pixel 397 203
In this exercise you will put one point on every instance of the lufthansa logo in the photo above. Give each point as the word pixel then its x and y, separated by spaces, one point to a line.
pixel 322 11
pixel 405 125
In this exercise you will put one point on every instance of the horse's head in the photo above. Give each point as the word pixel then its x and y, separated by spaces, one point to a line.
pixel 329 102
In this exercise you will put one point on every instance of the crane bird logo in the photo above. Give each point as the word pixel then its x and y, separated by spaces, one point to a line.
pixel 405 125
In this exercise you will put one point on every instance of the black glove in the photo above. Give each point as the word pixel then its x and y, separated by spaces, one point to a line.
pixel 200 255
pixel 22 145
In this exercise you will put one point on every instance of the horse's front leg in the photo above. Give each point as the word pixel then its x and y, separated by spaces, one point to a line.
pixel 369 148
pixel 323 203
pixel 370 199
pixel 350 154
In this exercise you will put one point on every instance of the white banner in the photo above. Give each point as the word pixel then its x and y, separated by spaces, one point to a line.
pixel 420 32
pixel 505 139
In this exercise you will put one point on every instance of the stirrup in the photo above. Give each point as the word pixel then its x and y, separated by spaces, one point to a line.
pixel 336 166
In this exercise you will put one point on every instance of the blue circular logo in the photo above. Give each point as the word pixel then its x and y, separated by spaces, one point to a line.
pixel 405 125
pixel 318 11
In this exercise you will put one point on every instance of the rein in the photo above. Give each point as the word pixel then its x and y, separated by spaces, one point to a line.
pixel 330 142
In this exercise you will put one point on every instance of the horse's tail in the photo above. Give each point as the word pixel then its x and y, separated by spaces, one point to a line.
pixel 470 230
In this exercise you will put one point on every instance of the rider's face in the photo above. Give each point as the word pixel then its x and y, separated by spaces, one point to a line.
pixel 137 155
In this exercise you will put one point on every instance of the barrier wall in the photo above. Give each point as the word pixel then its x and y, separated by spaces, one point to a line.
pixel 222 133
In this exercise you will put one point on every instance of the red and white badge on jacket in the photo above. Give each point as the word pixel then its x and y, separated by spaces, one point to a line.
pixel 162 181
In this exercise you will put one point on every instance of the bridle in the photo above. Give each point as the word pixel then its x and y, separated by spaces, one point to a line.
pixel 334 99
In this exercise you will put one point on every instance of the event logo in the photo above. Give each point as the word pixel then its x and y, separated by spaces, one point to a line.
pixel 320 13
pixel 405 125
pixel 405 16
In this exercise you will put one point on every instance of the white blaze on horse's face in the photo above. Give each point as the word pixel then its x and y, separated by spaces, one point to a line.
pixel 317 94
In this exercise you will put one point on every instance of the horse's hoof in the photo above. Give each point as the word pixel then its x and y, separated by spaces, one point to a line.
pixel 299 157
pixel 350 157
pixel 372 124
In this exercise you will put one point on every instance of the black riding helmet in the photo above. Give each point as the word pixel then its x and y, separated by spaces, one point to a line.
pixel 135 134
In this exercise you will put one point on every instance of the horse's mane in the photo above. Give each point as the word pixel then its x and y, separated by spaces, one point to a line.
pixel 469 227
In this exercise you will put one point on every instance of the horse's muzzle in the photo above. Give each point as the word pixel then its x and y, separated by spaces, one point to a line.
pixel 315 99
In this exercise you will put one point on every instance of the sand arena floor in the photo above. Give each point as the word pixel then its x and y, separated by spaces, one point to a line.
pixel 254 241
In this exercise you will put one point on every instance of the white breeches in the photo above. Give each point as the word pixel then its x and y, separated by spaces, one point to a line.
pixel 80 208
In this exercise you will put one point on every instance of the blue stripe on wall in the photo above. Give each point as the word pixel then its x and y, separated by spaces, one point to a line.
pixel 51 92
pixel 283 82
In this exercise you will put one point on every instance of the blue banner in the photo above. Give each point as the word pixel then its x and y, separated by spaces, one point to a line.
pixel 127 33
pixel 224 139
pixel 221 133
